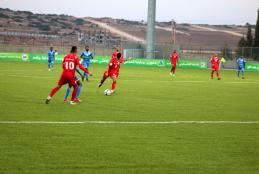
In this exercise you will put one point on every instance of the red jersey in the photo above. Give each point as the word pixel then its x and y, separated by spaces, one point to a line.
pixel 214 61
pixel 114 65
pixel 174 58
pixel 69 64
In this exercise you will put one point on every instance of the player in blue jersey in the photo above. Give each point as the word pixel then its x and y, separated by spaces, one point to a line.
pixel 51 58
pixel 241 66
pixel 78 88
pixel 86 56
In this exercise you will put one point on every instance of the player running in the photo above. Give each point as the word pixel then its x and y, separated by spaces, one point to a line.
pixel 51 58
pixel 214 61
pixel 113 69
pixel 69 65
pixel 86 56
pixel 174 60
pixel 241 66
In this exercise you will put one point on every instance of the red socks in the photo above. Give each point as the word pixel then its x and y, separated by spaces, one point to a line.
pixel 173 69
pixel 212 73
pixel 74 93
pixel 104 76
pixel 53 91
pixel 114 85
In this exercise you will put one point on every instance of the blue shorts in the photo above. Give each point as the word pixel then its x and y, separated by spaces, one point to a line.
pixel 51 61
pixel 240 68
pixel 86 64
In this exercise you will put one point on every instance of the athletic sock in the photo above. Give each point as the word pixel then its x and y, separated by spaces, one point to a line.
pixel 78 90
pixel 114 85
pixel 104 78
pixel 53 91
pixel 67 92
pixel 217 74
pixel 74 93
pixel 174 69
pixel 86 75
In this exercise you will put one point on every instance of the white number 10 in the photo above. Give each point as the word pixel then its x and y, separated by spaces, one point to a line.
pixel 69 65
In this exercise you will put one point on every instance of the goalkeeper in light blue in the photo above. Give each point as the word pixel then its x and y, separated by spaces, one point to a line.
pixel 86 56
pixel 241 66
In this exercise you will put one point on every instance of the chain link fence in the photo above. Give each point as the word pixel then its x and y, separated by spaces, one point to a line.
pixel 137 50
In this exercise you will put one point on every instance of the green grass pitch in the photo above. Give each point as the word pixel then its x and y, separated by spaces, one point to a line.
pixel 143 94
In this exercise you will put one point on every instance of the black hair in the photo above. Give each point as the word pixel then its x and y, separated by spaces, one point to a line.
pixel 73 49
pixel 118 55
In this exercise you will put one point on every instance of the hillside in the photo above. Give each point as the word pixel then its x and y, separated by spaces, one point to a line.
pixel 187 35
pixel 107 31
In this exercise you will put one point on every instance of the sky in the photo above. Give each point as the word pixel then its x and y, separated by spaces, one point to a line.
pixel 182 11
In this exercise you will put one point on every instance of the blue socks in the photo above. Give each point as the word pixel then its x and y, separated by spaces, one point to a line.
pixel 78 91
pixel 86 75
pixel 242 72
pixel 69 89
pixel 50 64
pixel 67 92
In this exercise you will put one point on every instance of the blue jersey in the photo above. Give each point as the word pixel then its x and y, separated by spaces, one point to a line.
pixel 241 63
pixel 51 55
pixel 87 55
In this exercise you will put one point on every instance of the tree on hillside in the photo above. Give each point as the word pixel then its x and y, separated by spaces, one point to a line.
pixel 256 39
pixel 226 52
pixel 245 44
pixel 242 42
pixel 249 36
pixel 248 41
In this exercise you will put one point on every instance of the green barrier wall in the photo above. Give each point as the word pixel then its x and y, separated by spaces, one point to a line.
pixel 194 64
pixel 14 56
pixel 252 67
pixel 155 63
pixel 44 58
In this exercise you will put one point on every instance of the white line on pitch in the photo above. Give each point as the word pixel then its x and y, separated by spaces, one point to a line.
pixel 129 122
pixel 8 70
pixel 190 81
pixel 242 82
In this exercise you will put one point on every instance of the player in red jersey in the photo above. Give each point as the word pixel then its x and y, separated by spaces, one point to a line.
pixel 113 69
pixel 174 60
pixel 69 65
pixel 214 61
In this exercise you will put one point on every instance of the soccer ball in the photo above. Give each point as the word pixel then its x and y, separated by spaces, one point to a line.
pixel 107 92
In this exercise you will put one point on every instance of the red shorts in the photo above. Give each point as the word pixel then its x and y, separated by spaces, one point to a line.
pixel 113 74
pixel 173 64
pixel 215 68
pixel 71 80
